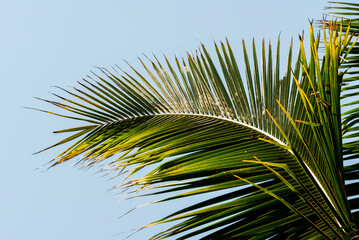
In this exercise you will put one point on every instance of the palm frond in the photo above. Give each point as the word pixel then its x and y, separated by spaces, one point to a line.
pixel 274 143
pixel 350 109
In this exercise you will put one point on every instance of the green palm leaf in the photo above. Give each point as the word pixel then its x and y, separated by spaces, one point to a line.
pixel 274 144
pixel 349 13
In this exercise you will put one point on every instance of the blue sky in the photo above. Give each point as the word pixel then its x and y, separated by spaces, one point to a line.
pixel 47 43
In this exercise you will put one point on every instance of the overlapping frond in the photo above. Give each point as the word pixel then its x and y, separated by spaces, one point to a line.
pixel 274 143
pixel 349 13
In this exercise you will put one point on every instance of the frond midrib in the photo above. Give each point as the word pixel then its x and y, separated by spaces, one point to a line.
pixel 208 116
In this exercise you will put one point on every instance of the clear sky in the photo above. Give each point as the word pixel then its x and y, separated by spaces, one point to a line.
pixel 45 43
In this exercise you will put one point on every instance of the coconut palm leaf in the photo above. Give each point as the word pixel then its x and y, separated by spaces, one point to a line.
pixel 349 13
pixel 270 146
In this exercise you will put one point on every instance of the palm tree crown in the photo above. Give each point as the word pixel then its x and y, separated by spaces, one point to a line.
pixel 282 147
